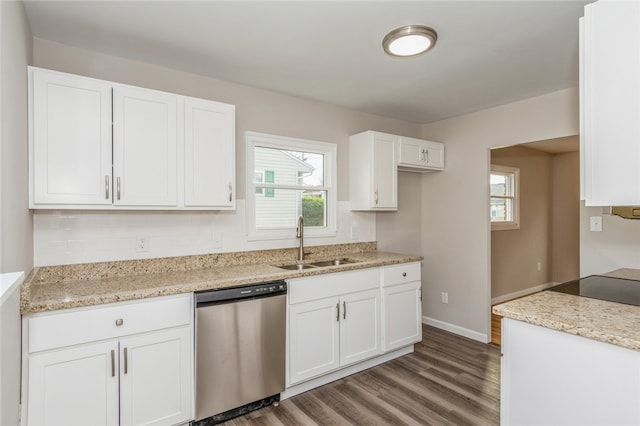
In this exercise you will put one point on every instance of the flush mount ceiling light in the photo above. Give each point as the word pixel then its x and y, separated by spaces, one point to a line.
pixel 410 40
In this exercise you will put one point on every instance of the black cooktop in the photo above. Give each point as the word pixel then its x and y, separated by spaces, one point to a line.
pixel 604 288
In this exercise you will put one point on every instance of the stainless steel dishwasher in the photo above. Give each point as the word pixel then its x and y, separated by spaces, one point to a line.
pixel 240 350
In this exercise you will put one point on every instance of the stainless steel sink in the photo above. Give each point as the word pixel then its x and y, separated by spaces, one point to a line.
pixel 297 266
pixel 334 262
pixel 320 264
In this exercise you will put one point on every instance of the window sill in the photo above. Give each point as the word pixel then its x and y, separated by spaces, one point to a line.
pixel 504 226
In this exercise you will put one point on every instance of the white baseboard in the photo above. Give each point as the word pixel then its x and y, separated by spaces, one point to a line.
pixel 521 293
pixel 339 374
pixel 465 332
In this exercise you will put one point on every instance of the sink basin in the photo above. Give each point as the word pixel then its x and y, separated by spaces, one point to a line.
pixel 334 262
pixel 296 266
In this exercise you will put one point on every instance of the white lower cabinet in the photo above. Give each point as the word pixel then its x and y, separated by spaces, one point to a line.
pixel 402 301
pixel 341 319
pixel 327 333
pixel 136 369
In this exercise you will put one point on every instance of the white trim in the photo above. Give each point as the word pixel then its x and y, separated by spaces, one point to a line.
pixel 521 293
pixel 461 331
pixel 339 374
pixel 329 150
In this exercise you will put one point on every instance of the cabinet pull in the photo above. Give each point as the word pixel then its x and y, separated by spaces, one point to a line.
pixel 338 312
pixel 118 188
pixel 404 274
pixel 344 310
pixel 230 192
pixel 106 187
pixel 426 155
pixel 113 363
pixel 422 154
pixel 119 322
pixel 375 196
pixel 126 361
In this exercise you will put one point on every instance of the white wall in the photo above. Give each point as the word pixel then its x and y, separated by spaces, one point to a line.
pixel 16 237
pixel 76 237
pixel 617 246
pixel 455 225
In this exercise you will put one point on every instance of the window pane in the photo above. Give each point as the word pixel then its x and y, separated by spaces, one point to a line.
pixel 282 208
pixel 501 184
pixel 290 167
pixel 501 209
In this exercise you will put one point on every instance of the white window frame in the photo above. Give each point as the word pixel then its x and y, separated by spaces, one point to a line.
pixel 329 150
pixel 515 223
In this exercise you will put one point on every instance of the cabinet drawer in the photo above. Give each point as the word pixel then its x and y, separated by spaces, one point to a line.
pixel 77 326
pixel 330 285
pixel 398 274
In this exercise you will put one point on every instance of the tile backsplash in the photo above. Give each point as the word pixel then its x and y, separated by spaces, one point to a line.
pixel 69 237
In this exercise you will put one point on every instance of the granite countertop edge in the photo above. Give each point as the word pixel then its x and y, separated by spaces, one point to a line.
pixel 599 320
pixel 44 296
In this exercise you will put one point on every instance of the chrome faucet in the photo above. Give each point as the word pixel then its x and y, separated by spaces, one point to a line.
pixel 300 234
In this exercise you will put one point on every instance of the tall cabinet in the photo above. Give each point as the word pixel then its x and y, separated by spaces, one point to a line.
pixel 95 144
pixel 610 92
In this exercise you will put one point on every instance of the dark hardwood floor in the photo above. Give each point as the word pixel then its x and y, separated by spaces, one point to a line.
pixel 448 380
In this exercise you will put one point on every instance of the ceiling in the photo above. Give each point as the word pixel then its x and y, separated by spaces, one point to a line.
pixel 488 52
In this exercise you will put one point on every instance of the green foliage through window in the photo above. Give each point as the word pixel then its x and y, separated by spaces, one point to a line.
pixel 313 210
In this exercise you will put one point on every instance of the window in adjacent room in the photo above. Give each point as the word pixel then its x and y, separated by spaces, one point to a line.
pixel 504 202
pixel 286 178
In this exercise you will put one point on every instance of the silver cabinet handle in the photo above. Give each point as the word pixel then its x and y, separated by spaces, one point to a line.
pixel 375 196
pixel 119 322
pixel 426 155
pixel 113 363
pixel 344 310
pixel 338 311
pixel 126 361
pixel 118 187
pixel 230 192
pixel 106 187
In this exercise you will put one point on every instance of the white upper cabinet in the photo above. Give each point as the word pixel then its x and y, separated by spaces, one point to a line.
pixel 610 65
pixel 144 147
pixel 373 173
pixel 417 155
pixel 209 158
pixel 95 144
pixel 69 140
pixel 374 160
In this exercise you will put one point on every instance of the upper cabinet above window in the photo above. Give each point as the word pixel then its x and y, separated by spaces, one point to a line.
pixel 95 144
pixel 610 103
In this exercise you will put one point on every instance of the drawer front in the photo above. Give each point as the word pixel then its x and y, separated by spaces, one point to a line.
pixel 398 274
pixel 77 326
pixel 330 285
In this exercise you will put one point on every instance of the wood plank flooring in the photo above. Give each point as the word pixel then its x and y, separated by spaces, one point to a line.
pixel 448 380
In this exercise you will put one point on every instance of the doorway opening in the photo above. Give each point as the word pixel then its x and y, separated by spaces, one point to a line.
pixel 543 249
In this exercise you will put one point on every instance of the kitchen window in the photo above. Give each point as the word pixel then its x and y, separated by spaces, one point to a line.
pixel 286 178
pixel 504 200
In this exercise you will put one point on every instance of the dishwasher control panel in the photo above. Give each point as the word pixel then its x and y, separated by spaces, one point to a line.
pixel 230 294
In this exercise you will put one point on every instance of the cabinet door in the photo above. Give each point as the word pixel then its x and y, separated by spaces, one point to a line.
pixel 156 378
pixel 70 139
pixel 420 154
pixel 402 315
pixel 313 339
pixel 385 173
pixel 360 336
pixel 209 154
pixel 74 387
pixel 144 147
pixel 611 38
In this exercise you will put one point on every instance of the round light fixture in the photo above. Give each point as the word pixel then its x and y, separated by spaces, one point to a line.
pixel 410 40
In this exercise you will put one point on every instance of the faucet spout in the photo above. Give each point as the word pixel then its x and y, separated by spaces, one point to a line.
pixel 300 234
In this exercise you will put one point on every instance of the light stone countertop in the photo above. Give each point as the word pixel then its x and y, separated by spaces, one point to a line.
pixel 600 320
pixel 70 286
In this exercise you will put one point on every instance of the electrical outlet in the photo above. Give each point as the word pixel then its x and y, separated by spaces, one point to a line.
pixel 444 296
pixel 142 243
pixel 539 266
pixel 595 223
